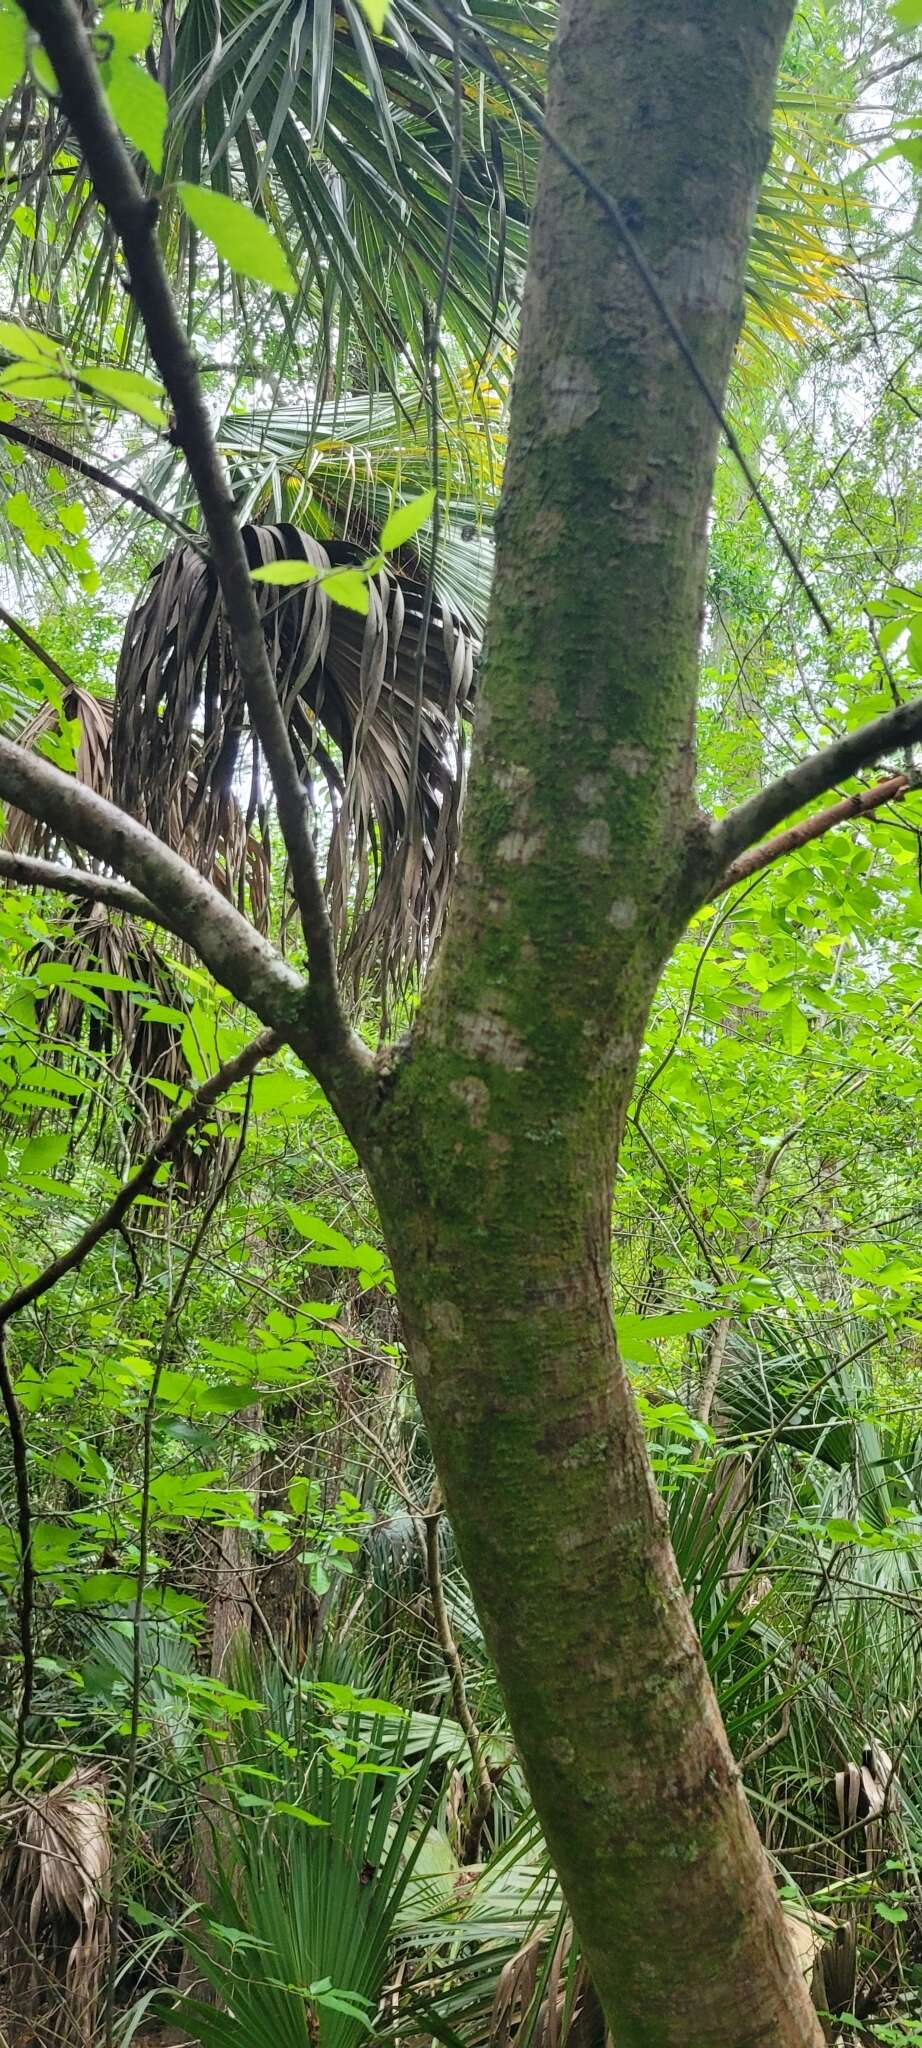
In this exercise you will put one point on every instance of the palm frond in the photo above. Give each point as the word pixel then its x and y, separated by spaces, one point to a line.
pixel 347 686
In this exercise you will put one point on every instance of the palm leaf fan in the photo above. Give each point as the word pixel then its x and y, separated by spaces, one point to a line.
pixel 347 684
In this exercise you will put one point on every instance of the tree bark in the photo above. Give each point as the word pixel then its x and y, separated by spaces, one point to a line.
pixel 493 1147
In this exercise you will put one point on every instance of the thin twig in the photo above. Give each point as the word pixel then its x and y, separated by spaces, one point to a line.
pixel 758 857
pixel 824 770
pixel 240 1068
pixel 40 445
pixel 35 647
pixel 137 1617
pixel 454 1668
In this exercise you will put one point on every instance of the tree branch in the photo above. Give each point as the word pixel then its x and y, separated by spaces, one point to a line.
pixel 133 215
pixel 758 857
pixel 65 459
pixel 750 821
pixel 233 1070
pixel 24 872
pixel 35 647
pixel 237 956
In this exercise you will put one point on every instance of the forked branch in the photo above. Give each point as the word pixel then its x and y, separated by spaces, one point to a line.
pixel 750 822
pixel 889 791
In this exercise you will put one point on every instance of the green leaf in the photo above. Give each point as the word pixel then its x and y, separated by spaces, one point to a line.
pixel 907 13
pixel 245 241
pixel 311 1820
pixel 895 1915
pixel 29 347
pixel 139 105
pixel 406 521
pixel 42 1153
pixel 72 518
pixel 286 572
pixel 29 380
pixel 375 12
pixel 348 587
pixel 43 70
pixel 131 30
pixel 24 215
pixel 12 50
pixel 127 388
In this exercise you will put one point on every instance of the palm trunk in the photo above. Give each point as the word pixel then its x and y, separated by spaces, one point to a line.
pixel 493 1149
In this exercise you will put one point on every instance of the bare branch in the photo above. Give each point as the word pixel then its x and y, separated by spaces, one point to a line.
pixel 758 857
pixel 750 821
pixel 66 459
pixel 134 216
pixel 24 872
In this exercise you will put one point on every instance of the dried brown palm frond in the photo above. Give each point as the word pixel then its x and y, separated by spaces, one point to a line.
pixel 568 2013
pixel 548 2000
pixel 347 685
pixel 54 1875
pixel 235 854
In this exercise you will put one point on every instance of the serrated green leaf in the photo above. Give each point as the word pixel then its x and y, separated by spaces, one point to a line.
pixel 130 29
pixel 407 520
pixel 72 518
pixel 286 572
pixel 347 587
pixel 244 240
pixel 139 105
pixel 12 50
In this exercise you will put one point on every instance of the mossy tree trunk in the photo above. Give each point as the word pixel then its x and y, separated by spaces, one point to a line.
pixel 494 1145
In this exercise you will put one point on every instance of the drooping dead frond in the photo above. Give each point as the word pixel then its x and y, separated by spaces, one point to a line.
pixel 347 686
pixel 234 853
pixel 54 1877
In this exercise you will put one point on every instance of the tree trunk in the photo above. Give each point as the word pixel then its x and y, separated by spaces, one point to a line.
pixel 493 1148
